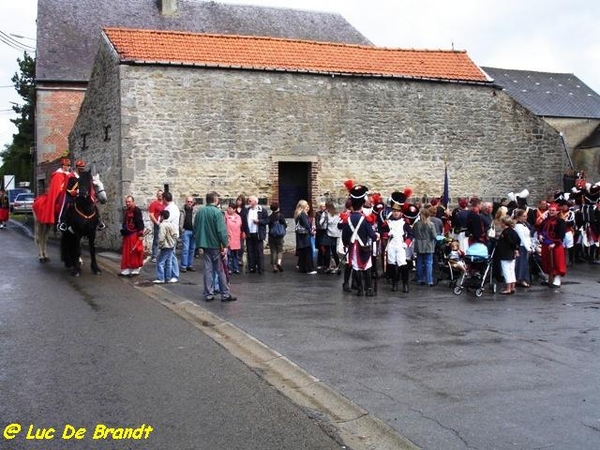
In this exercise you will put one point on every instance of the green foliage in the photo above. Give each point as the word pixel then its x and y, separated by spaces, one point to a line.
pixel 17 158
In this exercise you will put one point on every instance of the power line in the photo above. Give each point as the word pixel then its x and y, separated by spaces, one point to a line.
pixel 11 42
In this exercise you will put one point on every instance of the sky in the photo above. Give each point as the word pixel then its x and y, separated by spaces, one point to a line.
pixel 540 35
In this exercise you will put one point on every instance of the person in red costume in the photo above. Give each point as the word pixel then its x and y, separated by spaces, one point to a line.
pixel 47 207
pixel 551 234
pixel 132 251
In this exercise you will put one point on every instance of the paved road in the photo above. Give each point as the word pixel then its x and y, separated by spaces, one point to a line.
pixel 94 350
pixel 446 371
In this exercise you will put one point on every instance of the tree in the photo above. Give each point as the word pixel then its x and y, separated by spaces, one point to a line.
pixel 18 157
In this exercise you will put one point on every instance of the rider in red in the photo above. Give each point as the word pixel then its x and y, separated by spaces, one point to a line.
pixel 48 207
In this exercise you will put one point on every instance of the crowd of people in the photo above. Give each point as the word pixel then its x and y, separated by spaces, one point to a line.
pixel 367 240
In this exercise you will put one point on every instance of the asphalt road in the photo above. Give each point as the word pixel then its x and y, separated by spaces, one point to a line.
pixel 92 351
pixel 446 371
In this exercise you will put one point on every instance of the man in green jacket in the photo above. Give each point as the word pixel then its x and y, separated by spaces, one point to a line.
pixel 211 237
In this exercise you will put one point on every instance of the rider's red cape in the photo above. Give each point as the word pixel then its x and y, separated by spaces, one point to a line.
pixel 47 206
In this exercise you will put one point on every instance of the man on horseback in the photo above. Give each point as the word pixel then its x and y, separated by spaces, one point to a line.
pixel 48 207
pixel 72 191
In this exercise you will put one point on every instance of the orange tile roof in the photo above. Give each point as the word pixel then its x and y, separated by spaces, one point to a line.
pixel 264 53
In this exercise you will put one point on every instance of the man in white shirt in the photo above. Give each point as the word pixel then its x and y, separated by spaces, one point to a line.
pixel 174 219
pixel 254 225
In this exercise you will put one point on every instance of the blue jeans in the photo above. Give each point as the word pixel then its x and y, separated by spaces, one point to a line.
pixel 232 256
pixel 425 268
pixel 188 247
pixel 174 265
pixel 163 264
pixel 155 241
pixel 214 264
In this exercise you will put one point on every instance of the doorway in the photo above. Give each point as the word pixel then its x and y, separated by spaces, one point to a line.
pixel 294 185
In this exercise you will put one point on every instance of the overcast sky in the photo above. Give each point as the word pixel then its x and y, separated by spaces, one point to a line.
pixel 542 35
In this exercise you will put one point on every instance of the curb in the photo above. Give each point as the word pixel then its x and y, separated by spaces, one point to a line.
pixel 354 426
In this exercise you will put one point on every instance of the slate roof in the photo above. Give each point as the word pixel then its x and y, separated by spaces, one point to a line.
pixel 262 53
pixel 69 30
pixel 548 94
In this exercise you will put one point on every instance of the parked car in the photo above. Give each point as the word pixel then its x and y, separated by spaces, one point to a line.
pixel 23 203
pixel 12 195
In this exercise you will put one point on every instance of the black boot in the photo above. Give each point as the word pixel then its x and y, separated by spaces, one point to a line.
pixel 347 273
pixel 369 283
pixel 393 274
pixel 360 283
pixel 404 270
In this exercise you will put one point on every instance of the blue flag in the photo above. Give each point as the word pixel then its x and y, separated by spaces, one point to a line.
pixel 446 195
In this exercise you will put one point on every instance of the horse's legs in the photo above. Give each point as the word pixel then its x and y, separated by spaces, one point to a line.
pixel 92 244
pixel 41 231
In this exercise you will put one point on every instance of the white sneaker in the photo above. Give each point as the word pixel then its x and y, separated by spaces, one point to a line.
pixel 173 280
pixel 556 281
pixel 311 273
pixel 136 271
pixel 126 272
pixel 158 282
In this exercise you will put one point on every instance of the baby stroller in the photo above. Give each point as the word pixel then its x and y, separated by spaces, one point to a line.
pixel 442 267
pixel 479 271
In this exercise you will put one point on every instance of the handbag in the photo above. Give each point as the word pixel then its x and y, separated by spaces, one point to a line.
pixel 491 233
pixel 300 229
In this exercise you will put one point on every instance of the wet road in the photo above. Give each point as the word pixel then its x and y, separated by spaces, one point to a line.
pixel 446 371
pixel 94 350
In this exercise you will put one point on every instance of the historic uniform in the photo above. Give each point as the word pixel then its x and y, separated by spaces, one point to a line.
pixel 399 239
pixel 132 251
pixel 551 234
pixel 358 235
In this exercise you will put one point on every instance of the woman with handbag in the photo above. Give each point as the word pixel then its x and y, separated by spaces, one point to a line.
pixel 277 232
pixel 303 235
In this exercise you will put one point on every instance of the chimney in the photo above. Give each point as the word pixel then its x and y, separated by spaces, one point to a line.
pixel 167 7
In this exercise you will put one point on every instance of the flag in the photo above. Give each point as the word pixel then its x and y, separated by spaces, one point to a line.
pixel 446 194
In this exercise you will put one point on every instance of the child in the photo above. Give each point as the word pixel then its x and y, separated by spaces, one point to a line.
pixel 455 257
pixel 167 240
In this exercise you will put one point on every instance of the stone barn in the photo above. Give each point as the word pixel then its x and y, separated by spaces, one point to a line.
pixel 287 119
pixel 69 33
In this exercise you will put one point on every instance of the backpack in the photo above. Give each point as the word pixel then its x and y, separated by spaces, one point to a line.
pixel 277 229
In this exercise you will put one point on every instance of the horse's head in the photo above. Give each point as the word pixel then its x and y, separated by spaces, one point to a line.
pixel 90 187
pixel 99 189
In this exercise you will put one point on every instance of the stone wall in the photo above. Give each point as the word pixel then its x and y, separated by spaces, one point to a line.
pixel 96 137
pixel 199 129
pixel 575 131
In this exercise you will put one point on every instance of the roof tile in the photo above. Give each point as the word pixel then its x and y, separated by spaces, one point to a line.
pixel 265 53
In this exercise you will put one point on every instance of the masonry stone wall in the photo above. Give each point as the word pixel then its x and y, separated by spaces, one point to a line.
pixel 575 131
pixel 96 137
pixel 203 129
pixel 199 129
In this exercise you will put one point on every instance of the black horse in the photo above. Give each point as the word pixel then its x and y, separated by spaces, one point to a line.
pixel 82 219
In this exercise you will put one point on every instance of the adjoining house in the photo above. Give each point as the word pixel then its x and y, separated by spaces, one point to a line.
pixel 286 119
pixel 567 104
pixel 69 32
